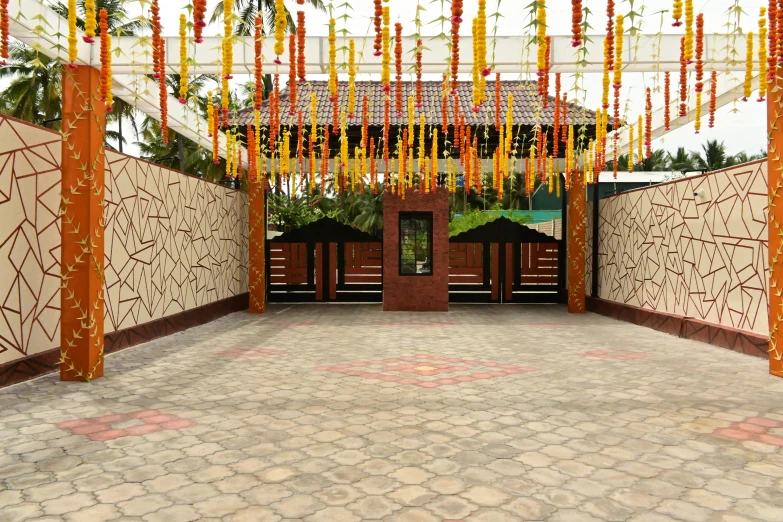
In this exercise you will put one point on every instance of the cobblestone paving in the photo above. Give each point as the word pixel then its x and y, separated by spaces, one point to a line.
pixel 344 413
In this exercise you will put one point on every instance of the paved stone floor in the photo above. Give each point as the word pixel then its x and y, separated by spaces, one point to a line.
pixel 345 413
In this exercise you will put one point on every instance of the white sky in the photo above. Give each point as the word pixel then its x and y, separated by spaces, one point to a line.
pixel 742 126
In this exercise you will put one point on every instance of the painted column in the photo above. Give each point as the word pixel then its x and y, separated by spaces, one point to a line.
pixel 257 245
pixel 82 226
pixel 775 226
pixel 576 229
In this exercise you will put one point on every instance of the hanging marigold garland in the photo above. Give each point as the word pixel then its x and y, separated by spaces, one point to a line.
pixel 699 68
pixel 762 53
pixel 215 134
pixel 576 23
pixel 444 109
pixel 648 107
pixel 608 53
pixel 156 41
pixel 772 37
pixel 476 83
pixel 484 68
pixel 677 13
pixel 639 140
pixel 688 32
pixel 411 117
pixel 398 66
pixel 73 52
pixel 419 52
pixel 199 17
pixel 683 80
pixel 386 60
pixel 301 33
pixel 210 115
pixel 542 44
pixel 280 25
pixel 547 64
pixel 667 100
pixel 556 116
pixel 332 60
pixel 325 159
pixel 351 79
pixel 183 59
pixel 630 147
pixel 259 76
pixel 747 86
pixel 386 111
pixel 228 43
pixel 618 68
pixel 164 97
pixel 106 76
pixel 90 23
pixel 497 101
pixel 292 74
pixel 377 20
pixel 456 20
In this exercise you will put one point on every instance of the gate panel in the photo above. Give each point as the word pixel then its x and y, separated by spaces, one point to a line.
pixel 291 276
pixel 359 272
pixel 536 274
pixel 469 273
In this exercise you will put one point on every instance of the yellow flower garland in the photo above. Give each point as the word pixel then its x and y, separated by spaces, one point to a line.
pixel 332 59
pixel 351 78
pixel 183 59
pixel 280 25
pixel 630 147
pixel 422 142
pixel 386 60
pixel 73 52
pixel 688 30
pixel 748 68
pixel 90 22
pixel 639 140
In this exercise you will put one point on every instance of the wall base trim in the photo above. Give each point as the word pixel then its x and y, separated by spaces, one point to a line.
pixel 42 363
pixel 686 327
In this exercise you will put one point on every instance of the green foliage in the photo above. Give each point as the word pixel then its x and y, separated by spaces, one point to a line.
pixel 475 218
pixel 290 213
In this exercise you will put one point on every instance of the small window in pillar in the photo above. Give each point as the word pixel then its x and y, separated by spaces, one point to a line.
pixel 415 243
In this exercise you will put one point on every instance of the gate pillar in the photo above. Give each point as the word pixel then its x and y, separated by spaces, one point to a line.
pixel 775 225
pixel 576 230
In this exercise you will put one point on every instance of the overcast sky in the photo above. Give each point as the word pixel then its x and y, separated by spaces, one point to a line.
pixel 741 125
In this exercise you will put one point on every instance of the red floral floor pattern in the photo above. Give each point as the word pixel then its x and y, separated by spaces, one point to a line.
pixel 617 355
pixel 416 369
pixel 756 429
pixel 249 353
pixel 110 427
pixel 412 323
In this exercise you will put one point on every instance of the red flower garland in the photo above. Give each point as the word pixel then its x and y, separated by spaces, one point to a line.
pixel 667 100
pixel 4 31
pixel 398 65
pixel 292 74
pixel 301 33
pixel 713 93
pixel 576 23
pixel 683 80
pixel 156 41
pixel 648 123
pixel 456 20
pixel 258 40
pixel 377 20
pixel 556 129
pixel 419 49
pixel 199 15
pixel 772 38
pixel 699 52
pixel 497 102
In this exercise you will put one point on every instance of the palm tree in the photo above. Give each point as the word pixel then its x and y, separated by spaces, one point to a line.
pixel 34 92
pixel 681 160
pixel 659 161
pixel 119 21
pixel 248 9
pixel 744 157
pixel 622 163
pixel 370 218
pixel 712 157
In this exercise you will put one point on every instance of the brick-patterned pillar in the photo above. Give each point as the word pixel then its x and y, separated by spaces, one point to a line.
pixel 257 245
pixel 82 226
pixel 576 228
pixel 775 226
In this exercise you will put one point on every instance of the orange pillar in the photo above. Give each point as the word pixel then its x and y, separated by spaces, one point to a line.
pixel 257 245
pixel 775 225
pixel 576 228
pixel 81 253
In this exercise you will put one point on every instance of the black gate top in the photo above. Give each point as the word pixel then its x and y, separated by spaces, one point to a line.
pixel 326 230
pixel 502 230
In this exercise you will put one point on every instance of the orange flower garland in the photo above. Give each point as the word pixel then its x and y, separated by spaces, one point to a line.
pixel 324 159
pixel 386 111
pixel 546 69
pixel 351 78
pixel 373 167
pixel 5 33
pixel 164 110
pixel 215 134
pixel 199 15
pixel 648 107
pixel 259 77
pixel 377 20
pixel 699 52
pixel 778 38
pixel 481 32
pixel 210 115
pixel 772 58
pixel 683 80
pixel 564 122
pixel 156 43
pixel 332 61
pixel 301 34
pixel 497 102
pixel 398 66
pixel 667 100
pixel 444 112
pixel 556 123
pixel 292 74
pixel 456 20
pixel 618 67
pixel 419 51
pixel 576 23
pixel 762 53
pixel 105 55
pixel 608 53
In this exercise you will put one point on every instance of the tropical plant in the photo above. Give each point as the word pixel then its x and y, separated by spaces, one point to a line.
pixel 370 217
pixel 35 89
pixel 247 10
pixel 659 161
pixel 474 218
pixel 681 160
pixel 119 19
pixel 291 213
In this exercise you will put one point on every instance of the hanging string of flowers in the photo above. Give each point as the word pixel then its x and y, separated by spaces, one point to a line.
pixel 667 100
pixel 228 44
pixel 747 87
pixel 484 68
pixel 618 68
pixel 292 74
pixel 199 17
pixel 475 70
pixel 301 33
pixel 497 102
pixel 576 23
pixel 547 65
pixel 398 66
pixel 377 20
pixel 677 13
pixel 456 20
pixel 106 76
pixel 683 80
pixel 648 107
pixel 556 122
pixel 688 32
pixel 699 68
pixel 183 59
pixel 156 43
pixel 630 147
pixel 164 98
pixel 73 52
pixel 210 115
pixel 280 25
pixel 419 52
pixel 608 52
pixel 251 147
pixel 90 23
pixel 762 53
pixel 325 159
pixel 373 167
pixel 215 133
pixel 386 111
pixel 351 79
pixel 422 143
pixel 386 60
pixel 639 140
pixel 542 44
pixel 772 58
pixel 259 64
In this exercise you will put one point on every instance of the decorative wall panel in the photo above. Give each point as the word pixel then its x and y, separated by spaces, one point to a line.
pixel 173 243
pixel 29 240
pixel 695 248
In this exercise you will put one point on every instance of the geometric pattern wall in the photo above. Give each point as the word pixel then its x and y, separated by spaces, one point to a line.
pixel 29 239
pixel 172 242
pixel 694 248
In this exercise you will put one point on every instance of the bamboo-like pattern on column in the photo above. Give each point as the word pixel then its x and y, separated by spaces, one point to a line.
pixel 257 245
pixel 775 177
pixel 577 223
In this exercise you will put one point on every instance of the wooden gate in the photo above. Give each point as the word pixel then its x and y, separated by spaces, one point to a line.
pixel 325 261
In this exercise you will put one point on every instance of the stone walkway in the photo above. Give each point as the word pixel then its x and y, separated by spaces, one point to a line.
pixel 345 413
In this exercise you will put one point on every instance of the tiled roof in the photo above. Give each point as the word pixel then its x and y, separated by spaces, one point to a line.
pixel 526 104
